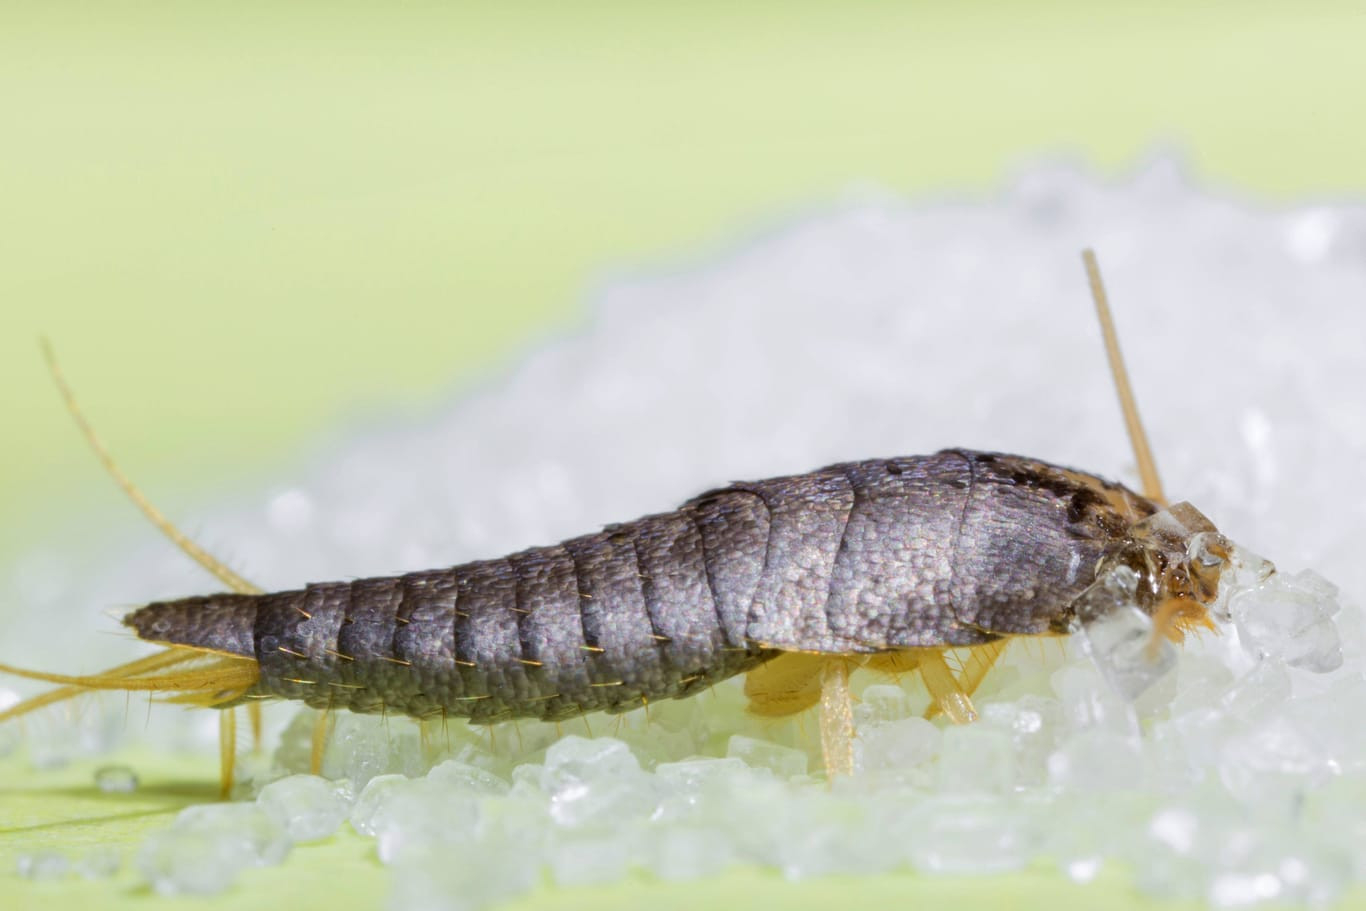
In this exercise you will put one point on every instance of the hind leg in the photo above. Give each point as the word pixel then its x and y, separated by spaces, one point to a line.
pixel 795 682
pixel 837 718
pixel 946 693
pixel 227 751
pixel 974 670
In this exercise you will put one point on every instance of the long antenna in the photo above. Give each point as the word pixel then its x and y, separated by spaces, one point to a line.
pixel 182 541
pixel 1147 466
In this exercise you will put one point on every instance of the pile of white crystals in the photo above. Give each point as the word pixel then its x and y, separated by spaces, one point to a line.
pixel 1231 769
pixel 1222 771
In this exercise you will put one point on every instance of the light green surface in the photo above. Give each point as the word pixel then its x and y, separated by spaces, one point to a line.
pixel 244 222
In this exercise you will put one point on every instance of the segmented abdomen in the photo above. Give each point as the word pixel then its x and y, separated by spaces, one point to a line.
pixel 947 549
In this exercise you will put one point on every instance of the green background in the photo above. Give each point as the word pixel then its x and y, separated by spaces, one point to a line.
pixel 244 223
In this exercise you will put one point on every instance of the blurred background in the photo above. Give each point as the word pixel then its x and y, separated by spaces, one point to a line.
pixel 245 224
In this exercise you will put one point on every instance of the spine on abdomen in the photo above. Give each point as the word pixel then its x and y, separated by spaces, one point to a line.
pixel 652 609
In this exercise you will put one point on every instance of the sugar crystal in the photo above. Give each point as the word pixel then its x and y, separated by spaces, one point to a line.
pixel 116 779
pixel 310 808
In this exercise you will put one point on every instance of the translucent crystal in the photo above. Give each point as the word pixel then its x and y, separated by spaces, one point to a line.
pixel 603 802
pixel 419 813
pixel 1290 617
pixel 1033 724
pixel 241 827
pixel 881 702
pixel 897 745
pixel 824 835
pixel 1087 701
pixel 372 799
pixel 689 775
pixel 681 786
pixel 1123 645
pixel 1081 831
pixel 592 859
pixel 483 876
pixel 1176 845
pixel 209 846
pixel 1271 764
pixel 595 783
pixel 976 759
pixel 784 762
pixel 43 865
pixel 970 835
pixel 1098 760
pixel 685 852
pixel 1273 866
pixel 1336 808
pixel 310 808
pixel 585 760
pixel 99 863
pixel 359 748
pixel 1200 681
pixel 116 779
pixel 468 777
pixel 1265 688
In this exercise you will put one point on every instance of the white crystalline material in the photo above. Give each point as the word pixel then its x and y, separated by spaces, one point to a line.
pixel 976 759
pixel 603 802
pixel 1033 724
pixel 592 860
pixel 1290 617
pixel 1087 701
pixel 684 786
pixel 1326 717
pixel 784 762
pixel 1200 682
pixel 482 876
pixel 359 748
pixel 880 703
pixel 1273 763
pixel 43 865
pixel 595 783
pixel 310 808
pixel 897 745
pixel 209 846
pixel 1175 828
pixel 1335 810
pixel 1257 867
pixel 1264 688
pixel 965 834
pixel 688 776
pixel 1123 647
pixel 116 779
pixel 373 800
pixel 581 759
pixel 687 852
pixel 99 863
pixel 420 813
pixel 241 827
pixel 1080 832
pixel 821 834
pixel 1099 760
pixel 468 777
